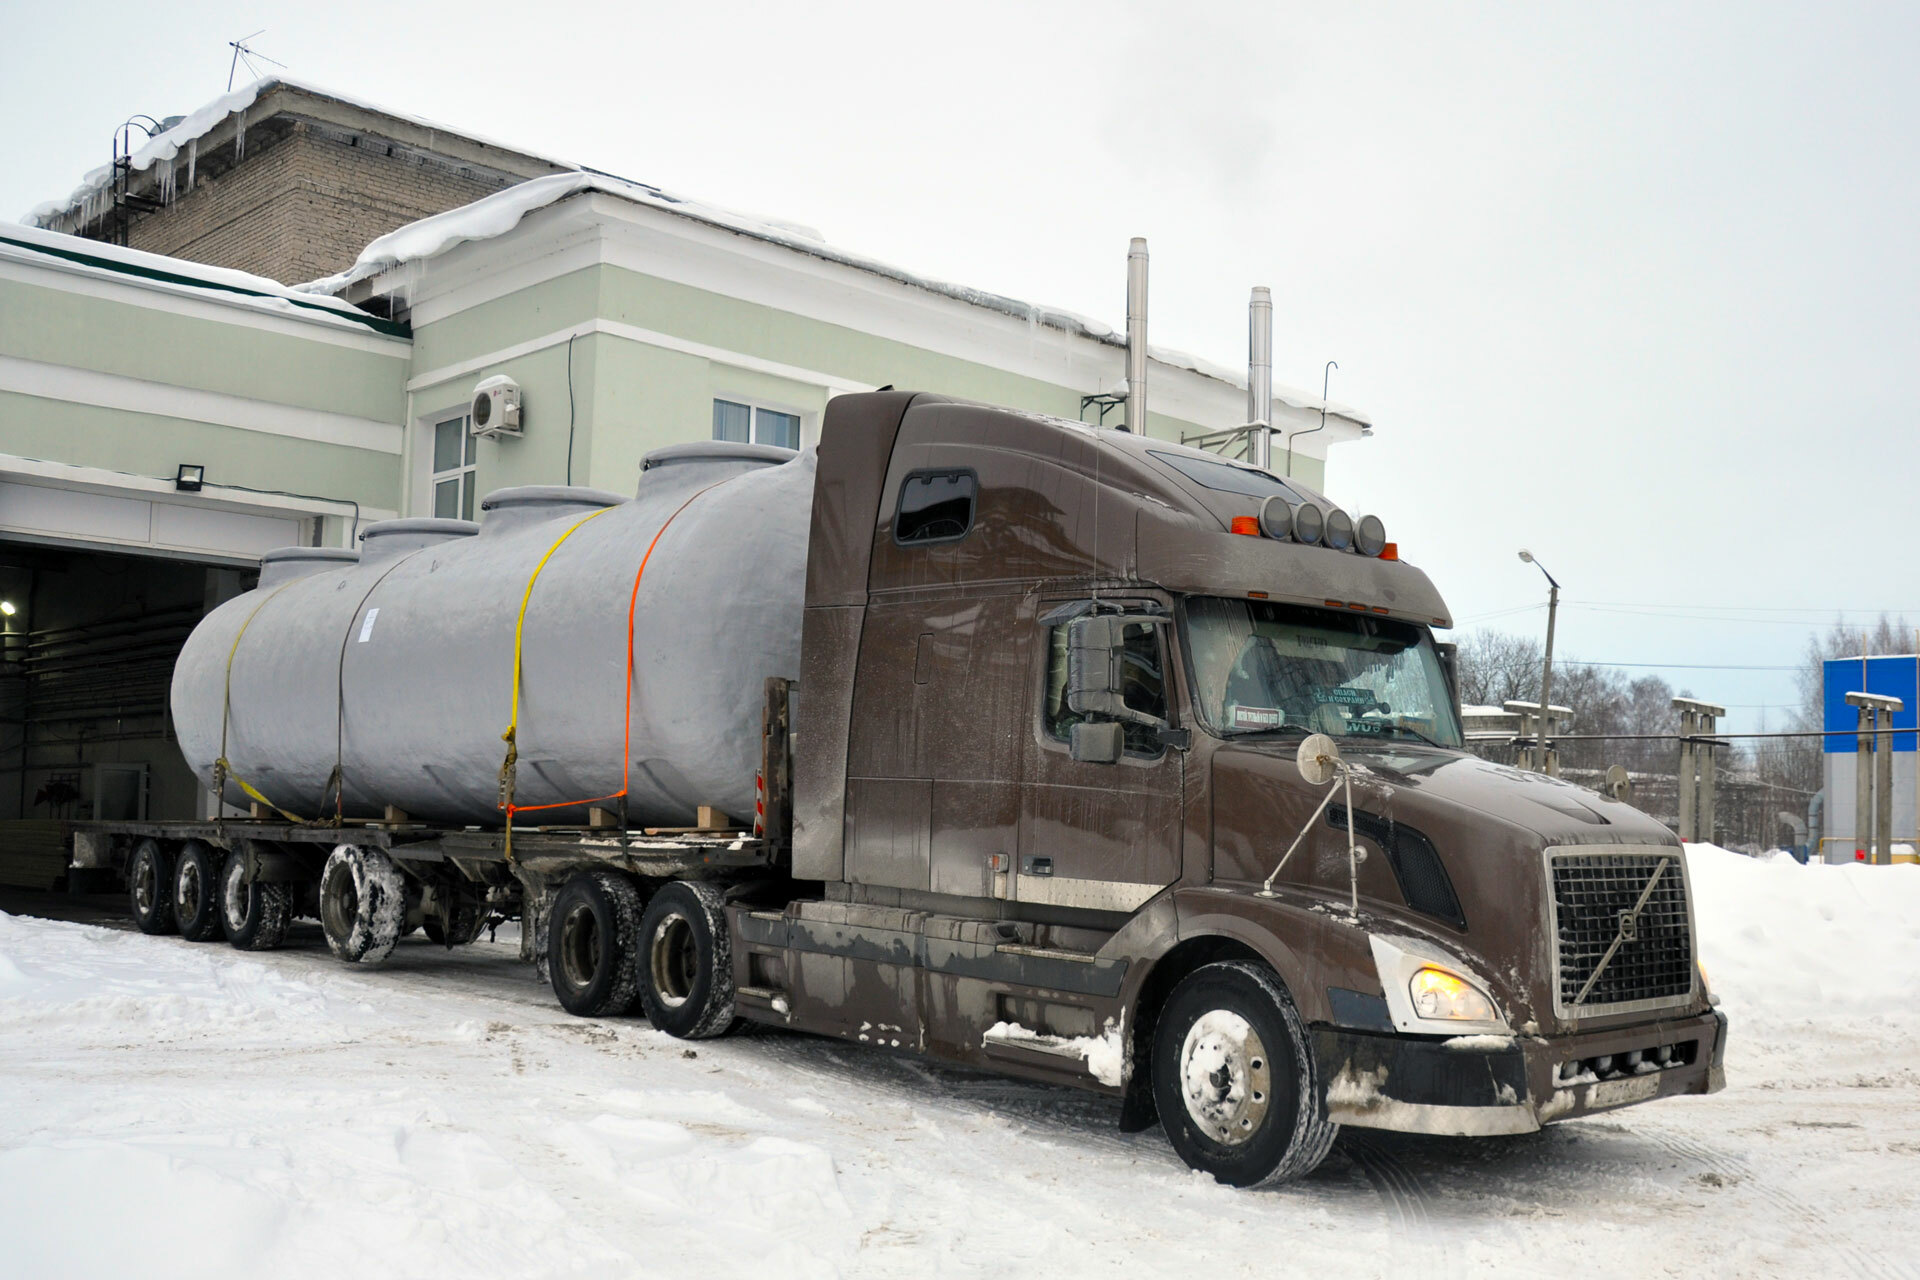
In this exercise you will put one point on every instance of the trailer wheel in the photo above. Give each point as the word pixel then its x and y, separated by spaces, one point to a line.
pixel 1235 1080
pixel 591 944
pixel 686 962
pixel 363 904
pixel 256 915
pixel 150 888
pixel 196 891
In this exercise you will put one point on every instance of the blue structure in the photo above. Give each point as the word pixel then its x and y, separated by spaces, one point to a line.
pixel 1899 677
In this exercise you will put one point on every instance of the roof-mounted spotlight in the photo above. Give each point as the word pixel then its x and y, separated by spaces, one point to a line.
pixel 1309 522
pixel 1276 518
pixel 1339 530
pixel 1370 536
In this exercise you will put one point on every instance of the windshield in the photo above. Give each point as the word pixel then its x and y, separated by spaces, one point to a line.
pixel 1262 667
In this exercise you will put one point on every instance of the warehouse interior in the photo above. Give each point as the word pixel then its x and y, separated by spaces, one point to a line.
pixel 87 644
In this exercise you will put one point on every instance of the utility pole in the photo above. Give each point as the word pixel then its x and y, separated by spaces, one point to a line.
pixel 1546 673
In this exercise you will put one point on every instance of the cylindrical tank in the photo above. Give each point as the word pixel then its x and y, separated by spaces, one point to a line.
pixel 398 669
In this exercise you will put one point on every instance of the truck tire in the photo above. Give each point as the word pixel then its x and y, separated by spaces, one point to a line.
pixel 1235 1080
pixel 256 915
pixel 592 945
pixel 363 904
pixel 686 962
pixel 150 888
pixel 197 877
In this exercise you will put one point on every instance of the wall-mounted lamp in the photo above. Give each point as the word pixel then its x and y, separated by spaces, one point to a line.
pixel 190 477
pixel 6 608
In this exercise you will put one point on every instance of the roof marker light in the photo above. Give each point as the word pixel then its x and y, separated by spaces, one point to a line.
pixel 1339 530
pixel 1370 536
pixel 1276 518
pixel 1390 552
pixel 1309 522
pixel 1249 525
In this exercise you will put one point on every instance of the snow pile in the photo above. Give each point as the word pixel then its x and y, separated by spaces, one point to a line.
pixel 1104 1054
pixel 1817 966
pixel 220 283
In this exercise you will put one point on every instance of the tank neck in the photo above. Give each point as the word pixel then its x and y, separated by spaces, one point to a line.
pixel 288 563
pixel 505 510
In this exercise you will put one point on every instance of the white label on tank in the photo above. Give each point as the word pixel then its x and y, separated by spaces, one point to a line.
pixel 366 625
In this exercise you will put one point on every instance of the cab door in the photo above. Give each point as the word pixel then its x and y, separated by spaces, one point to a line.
pixel 1103 837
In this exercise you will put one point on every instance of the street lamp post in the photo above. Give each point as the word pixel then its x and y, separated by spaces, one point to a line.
pixel 1546 674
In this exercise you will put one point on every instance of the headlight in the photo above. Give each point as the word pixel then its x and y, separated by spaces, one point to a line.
pixel 1439 994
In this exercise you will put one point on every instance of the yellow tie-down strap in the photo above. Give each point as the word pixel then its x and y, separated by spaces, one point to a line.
pixel 221 769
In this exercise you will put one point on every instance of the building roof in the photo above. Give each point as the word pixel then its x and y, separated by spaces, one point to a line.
pixel 497 214
pixel 227 285
pixel 231 114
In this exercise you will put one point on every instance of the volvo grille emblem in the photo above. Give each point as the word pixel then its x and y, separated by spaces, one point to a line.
pixel 1629 925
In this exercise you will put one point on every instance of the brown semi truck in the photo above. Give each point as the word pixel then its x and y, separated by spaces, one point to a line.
pixel 1113 764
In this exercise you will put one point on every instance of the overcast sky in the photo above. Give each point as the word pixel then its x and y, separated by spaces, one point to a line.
pixel 1632 286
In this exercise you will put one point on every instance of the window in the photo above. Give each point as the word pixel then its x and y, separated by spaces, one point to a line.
pixel 751 424
pixel 1260 666
pixel 453 469
pixel 935 506
pixel 1145 688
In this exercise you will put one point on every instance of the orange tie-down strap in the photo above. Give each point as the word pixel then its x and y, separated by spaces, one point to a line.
pixel 509 768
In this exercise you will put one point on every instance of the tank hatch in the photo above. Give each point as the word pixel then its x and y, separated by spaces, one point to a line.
pixel 505 510
pixel 287 563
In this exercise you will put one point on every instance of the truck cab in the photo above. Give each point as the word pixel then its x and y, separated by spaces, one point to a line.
pixel 1051 815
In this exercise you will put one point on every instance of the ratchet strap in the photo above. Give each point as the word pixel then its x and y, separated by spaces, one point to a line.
pixel 509 768
pixel 222 770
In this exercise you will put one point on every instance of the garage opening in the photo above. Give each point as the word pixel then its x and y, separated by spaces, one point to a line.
pixel 87 646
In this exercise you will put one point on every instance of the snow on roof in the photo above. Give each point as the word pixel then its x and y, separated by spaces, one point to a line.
pixel 162 148
pixel 74 252
pixel 499 213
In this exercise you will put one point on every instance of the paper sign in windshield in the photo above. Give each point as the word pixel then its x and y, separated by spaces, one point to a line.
pixel 1257 717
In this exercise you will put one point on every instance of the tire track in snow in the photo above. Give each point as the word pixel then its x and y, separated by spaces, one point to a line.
pixel 1409 1206
pixel 1807 1214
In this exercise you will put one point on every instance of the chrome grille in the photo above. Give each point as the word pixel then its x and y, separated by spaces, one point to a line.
pixel 1593 894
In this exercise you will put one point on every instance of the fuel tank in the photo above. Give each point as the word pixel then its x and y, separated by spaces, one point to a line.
pixel 397 669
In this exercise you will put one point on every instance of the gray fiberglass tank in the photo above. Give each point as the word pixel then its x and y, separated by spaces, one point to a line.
pixel 397 668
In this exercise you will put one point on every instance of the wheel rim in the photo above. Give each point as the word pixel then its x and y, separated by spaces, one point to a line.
pixel 1226 1077
pixel 145 880
pixel 339 904
pixel 579 948
pixel 190 890
pixel 674 958
pixel 237 893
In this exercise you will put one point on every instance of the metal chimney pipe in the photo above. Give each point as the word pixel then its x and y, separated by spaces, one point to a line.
pixel 1260 377
pixel 1136 420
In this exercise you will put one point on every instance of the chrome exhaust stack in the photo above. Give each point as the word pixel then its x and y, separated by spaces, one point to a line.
pixel 1136 419
pixel 1260 377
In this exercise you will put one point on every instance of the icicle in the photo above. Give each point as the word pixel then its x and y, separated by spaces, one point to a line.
pixel 239 135
pixel 163 181
pixel 193 159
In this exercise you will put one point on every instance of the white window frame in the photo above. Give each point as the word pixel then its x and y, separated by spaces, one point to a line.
pixel 467 471
pixel 757 407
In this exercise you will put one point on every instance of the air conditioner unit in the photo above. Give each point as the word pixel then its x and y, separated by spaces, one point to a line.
pixel 496 407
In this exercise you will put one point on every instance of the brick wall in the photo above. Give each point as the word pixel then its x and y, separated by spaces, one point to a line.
pixel 301 207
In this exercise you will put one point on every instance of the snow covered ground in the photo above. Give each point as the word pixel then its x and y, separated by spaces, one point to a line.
pixel 172 1109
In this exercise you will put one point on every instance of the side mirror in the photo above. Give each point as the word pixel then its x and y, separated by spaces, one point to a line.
pixel 1093 669
pixel 1449 655
pixel 1099 743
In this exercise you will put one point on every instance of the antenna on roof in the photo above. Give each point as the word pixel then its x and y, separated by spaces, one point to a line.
pixel 243 53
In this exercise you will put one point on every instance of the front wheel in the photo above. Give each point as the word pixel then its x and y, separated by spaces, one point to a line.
pixel 686 962
pixel 1235 1080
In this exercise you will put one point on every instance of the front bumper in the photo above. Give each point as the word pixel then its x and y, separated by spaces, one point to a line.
pixel 1482 1085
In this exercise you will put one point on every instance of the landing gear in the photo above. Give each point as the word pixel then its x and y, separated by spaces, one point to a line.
pixel 686 962
pixel 150 888
pixel 363 904
pixel 1234 1079
pixel 591 943
pixel 196 891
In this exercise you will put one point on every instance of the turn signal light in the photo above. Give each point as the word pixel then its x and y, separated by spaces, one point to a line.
pixel 1249 525
pixel 1439 994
